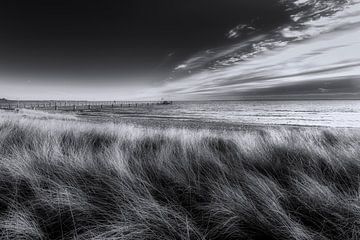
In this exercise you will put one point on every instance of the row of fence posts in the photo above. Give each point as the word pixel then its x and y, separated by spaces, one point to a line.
pixel 75 105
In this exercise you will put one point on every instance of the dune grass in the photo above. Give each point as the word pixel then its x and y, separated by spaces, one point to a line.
pixel 74 180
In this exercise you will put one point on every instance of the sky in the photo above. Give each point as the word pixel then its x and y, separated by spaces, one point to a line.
pixel 202 49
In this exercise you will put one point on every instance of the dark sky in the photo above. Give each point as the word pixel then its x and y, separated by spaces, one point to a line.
pixel 108 49
pixel 117 40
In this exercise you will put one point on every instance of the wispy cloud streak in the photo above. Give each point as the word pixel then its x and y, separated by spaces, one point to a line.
pixel 325 49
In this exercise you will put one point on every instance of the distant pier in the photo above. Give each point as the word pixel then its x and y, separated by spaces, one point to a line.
pixel 77 105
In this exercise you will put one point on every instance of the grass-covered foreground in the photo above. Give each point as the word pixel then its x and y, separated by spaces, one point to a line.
pixel 70 180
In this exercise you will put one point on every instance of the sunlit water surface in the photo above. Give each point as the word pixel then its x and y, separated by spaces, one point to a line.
pixel 333 113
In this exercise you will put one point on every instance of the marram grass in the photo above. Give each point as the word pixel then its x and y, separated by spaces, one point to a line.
pixel 73 180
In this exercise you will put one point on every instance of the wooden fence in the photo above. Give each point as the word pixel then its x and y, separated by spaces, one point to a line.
pixel 77 105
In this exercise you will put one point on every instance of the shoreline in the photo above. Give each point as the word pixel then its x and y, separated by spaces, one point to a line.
pixel 197 124
pixel 163 123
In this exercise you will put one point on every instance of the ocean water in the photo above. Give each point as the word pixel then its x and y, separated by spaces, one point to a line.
pixel 332 113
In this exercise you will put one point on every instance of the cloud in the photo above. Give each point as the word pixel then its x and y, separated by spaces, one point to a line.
pixel 330 55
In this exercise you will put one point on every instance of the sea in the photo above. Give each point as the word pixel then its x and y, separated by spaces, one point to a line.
pixel 325 113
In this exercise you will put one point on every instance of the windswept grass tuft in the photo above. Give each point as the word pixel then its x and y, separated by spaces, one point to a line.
pixel 75 180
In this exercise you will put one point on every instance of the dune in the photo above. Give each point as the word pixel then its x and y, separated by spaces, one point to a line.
pixel 65 179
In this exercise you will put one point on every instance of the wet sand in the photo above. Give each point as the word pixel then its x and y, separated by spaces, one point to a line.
pixel 164 122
